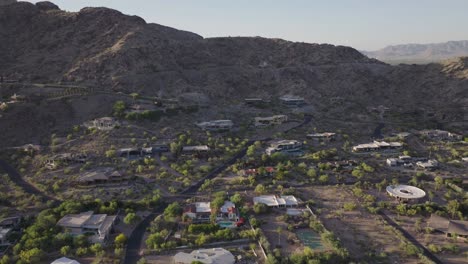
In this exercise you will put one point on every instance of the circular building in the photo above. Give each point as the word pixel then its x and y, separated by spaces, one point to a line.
pixel 405 192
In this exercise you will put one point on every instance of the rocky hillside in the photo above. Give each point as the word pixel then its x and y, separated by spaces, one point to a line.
pixel 420 53
pixel 110 51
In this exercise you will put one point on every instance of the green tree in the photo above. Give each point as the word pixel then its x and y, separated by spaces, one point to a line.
pixel 453 206
pixel 312 173
pixel 119 108
pixel 237 199
pixel 33 255
pixel 111 153
pixel 120 240
pixel 65 250
pixel 251 151
pixel 439 182
pixel 131 218
pixel 260 208
pixel 260 189
pixel 323 178
pixel 97 249
pixel 173 210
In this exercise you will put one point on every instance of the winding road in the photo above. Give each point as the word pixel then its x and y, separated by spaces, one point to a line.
pixel 135 240
pixel 26 186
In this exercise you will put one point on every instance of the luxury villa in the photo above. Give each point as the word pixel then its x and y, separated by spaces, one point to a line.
pixel 285 147
pixel 377 146
pixel 99 226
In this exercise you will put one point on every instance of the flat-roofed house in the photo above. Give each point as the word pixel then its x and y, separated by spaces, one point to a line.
pixel 7 225
pixel 437 134
pixel 198 212
pixel 326 136
pixel 448 227
pixel 277 201
pixel 284 146
pixel 216 125
pixel 98 226
pixel 195 149
pixel 377 146
pixel 271 120
pixel 292 100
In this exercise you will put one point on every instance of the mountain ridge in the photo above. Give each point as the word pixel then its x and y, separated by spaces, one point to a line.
pixel 109 51
pixel 420 53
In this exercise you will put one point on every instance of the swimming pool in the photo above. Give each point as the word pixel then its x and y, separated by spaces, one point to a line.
pixel 227 224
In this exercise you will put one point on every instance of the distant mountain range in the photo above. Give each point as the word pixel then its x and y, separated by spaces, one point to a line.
pixel 420 53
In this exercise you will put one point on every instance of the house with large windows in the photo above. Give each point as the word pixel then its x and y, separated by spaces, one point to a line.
pixel 98 226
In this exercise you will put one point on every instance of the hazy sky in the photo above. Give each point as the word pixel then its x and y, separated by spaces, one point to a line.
pixel 362 24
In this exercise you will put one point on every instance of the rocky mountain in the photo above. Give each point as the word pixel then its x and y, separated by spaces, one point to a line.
pixel 112 52
pixel 420 53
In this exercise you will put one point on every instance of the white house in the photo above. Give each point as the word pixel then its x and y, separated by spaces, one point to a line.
pixel 98 225
pixel 284 146
pixel 64 260
pixel 377 146
pixel 276 201
pixel 208 256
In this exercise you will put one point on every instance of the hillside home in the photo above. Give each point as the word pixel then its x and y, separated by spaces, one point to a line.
pixel 216 125
pixel 277 201
pixel 450 228
pixel 400 161
pixel 102 176
pixel 228 216
pixel 195 149
pixel 17 98
pixel 7 225
pixel 428 165
pixel 65 158
pixel 207 256
pixel 103 123
pixel 199 212
pixel 98 226
pixel 436 134
pixel 134 153
pixel 292 101
pixel 271 120
pixel 284 146
pixel 327 136
pixel 377 146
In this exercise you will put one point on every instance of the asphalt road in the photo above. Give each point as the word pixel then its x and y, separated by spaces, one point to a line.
pixel 135 241
pixel 26 186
